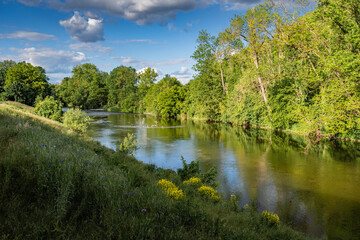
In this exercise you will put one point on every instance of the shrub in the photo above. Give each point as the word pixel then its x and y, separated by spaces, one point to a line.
pixel 194 181
pixel 208 193
pixel 50 108
pixel 271 219
pixel 76 120
pixel 171 190
pixel 129 144
pixel 193 170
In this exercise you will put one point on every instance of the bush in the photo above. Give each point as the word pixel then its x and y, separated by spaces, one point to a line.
pixel 171 190
pixel 50 108
pixel 208 193
pixel 193 170
pixel 76 120
pixel 271 219
pixel 129 144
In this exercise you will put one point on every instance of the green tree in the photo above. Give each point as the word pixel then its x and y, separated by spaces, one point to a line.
pixel 24 82
pixel 4 67
pixel 85 89
pixel 122 84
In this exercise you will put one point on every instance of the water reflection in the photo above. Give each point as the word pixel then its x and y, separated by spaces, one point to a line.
pixel 315 188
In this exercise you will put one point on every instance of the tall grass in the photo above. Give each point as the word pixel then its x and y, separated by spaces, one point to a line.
pixel 56 185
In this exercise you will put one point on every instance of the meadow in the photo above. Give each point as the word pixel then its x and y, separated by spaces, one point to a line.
pixel 58 184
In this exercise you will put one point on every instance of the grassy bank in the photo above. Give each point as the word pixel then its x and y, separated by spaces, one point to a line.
pixel 55 184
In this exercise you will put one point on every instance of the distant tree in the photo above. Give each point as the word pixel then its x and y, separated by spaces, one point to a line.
pixel 122 84
pixel 146 80
pixel 85 89
pixel 24 82
pixel 4 67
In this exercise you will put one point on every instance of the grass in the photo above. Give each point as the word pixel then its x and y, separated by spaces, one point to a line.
pixel 55 184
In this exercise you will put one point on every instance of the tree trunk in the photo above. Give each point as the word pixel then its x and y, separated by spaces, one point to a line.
pixel 222 80
pixel 262 87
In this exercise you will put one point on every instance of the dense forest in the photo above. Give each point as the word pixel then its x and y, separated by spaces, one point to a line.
pixel 279 66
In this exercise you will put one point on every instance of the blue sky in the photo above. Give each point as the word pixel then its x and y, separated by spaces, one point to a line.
pixel 60 34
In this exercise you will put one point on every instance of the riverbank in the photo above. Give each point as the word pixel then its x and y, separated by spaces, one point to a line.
pixel 58 185
pixel 313 137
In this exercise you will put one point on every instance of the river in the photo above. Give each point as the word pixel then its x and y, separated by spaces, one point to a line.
pixel 313 188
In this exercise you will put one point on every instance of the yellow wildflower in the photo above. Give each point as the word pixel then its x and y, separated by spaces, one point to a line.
pixel 208 192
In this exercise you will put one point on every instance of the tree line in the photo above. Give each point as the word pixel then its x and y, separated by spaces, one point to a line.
pixel 280 66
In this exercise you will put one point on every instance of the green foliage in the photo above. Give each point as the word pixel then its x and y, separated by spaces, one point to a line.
pixel 86 89
pixel 4 67
pixel 76 120
pixel 24 82
pixel 19 92
pixel 122 84
pixel 129 145
pixel 193 170
pixel 49 108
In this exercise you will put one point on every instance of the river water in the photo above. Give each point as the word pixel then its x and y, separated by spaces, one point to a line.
pixel 314 188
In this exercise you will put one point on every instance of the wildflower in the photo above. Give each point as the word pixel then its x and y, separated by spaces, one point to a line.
pixel 194 181
pixel 62 161
pixel 102 176
pixel 171 190
pixel 119 210
pixel 35 155
pixel 143 210
pixel 68 166
pixel 208 192
pixel 49 165
pixel 270 219
pixel 133 192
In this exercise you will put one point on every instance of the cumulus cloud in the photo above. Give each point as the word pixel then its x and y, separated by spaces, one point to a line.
pixel 54 61
pixel 32 36
pixel 84 30
pixel 183 75
pixel 160 73
pixel 89 47
pixel 140 11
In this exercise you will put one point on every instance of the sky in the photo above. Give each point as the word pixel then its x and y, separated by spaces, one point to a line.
pixel 60 34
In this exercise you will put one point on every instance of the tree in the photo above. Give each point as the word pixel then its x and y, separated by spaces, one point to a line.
pixel 146 79
pixel 24 82
pixel 85 89
pixel 4 67
pixel 122 84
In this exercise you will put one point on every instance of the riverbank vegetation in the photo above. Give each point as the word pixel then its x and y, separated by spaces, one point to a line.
pixel 282 65
pixel 56 184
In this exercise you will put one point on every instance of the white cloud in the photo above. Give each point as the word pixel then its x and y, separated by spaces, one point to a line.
pixel 89 47
pixel 84 30
pixel 32 36
pixel 54 61
pixel 56 78
pixel 140 11
pixel 155 69
pixel 183 75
